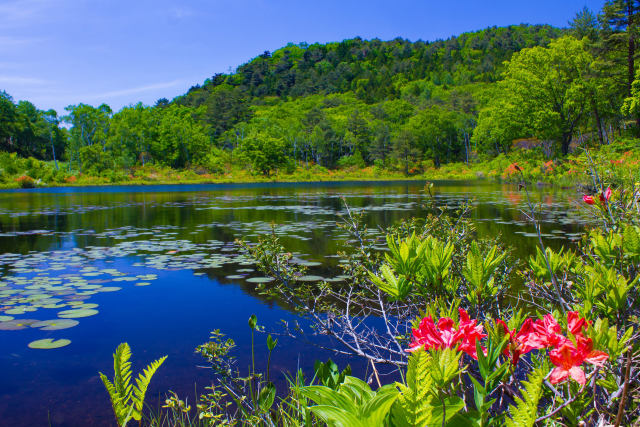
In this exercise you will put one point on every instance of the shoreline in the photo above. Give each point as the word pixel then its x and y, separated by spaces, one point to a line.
pixel 320 179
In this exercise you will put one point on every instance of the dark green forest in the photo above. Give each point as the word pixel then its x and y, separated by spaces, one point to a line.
pixel 397 105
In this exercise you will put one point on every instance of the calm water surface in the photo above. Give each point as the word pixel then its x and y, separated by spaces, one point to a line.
pixel 156 266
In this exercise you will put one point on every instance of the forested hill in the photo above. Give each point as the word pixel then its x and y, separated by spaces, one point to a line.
pixel 373 70
pixel 404 107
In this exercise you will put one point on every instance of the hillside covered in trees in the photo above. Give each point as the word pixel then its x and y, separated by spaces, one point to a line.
pixel 395 105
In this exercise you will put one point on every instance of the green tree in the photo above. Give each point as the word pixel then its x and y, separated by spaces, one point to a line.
pixel 55 135
pixel 585 24
pixel 358 126
pixel 264 153
pixel 8 117
pixel 435 131
pixel 89 126
pixel 381 145
pixel 405 150
pixel 180 140
pixel 545 94
pixel 619 20
pixel 131 133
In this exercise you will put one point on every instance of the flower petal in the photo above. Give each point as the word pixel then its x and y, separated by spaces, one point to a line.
pixel 596 358
pixel 576 323
pixel 558 375
pixel 578 375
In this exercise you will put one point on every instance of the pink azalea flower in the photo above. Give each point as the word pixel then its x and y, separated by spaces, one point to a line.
pixel 569 357
pixel 428 335
pixel 606 196
pixel 549 332
pixel 523 341
pixel 471 332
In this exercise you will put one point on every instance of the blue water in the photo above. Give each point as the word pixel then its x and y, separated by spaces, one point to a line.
pixel 112 228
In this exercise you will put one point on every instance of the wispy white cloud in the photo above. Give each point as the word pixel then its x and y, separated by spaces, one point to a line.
pixel 21 81
pixel 135 90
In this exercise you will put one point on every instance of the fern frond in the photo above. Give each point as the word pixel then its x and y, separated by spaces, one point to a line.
pixel 111 389
pixel 120 408
pixel 122 371
pixel 128 400
pixel 142 383
pixel 413 407
pixel 525 411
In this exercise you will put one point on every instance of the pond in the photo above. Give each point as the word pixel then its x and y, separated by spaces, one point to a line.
pixel 157 267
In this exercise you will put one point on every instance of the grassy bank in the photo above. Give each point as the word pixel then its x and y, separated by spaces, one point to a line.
pixel 620 160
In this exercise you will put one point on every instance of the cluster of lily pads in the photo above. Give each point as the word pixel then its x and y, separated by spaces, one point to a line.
pixel 34 285
pixel 65 280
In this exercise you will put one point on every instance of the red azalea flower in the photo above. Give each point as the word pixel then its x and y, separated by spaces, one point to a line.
pixel 548 331
pixel 428 335
pixel 570 356
pixel 444 335
pixel 471 332
pixel 448 335
pixel 588 200
pixel 606 196
pixel 523 341
pixel 575 323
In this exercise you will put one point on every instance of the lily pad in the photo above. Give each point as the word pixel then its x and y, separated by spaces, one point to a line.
pixel 309 263
pixel 143 284
pixel 20 310
pixel 16 325
pixel 5 318
pixel 125 279
pixel 53 305
pixel 77 313
pixel 260 280
pixel 310 278
pixel 87 306
pixel 49 344
pixel 55 324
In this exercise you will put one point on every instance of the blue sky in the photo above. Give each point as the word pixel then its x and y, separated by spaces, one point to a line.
pixel 60 52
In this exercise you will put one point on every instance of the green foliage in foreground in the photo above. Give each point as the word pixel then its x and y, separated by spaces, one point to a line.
pixel 127 399
pixel 451 326
pixel 353 403
pixel 525 409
